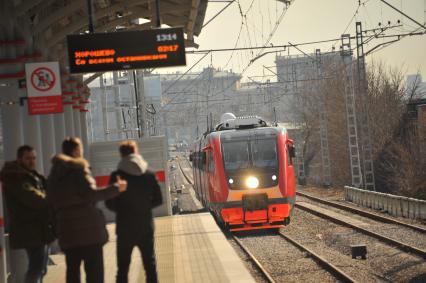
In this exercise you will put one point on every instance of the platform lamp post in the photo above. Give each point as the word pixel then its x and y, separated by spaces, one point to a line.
pixel 3 268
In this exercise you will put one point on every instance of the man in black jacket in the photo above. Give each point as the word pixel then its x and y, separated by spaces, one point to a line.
pixel 80 225
pixel 29 218
pixel 134 224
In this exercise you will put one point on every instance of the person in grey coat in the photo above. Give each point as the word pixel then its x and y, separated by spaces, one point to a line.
pixel 134 223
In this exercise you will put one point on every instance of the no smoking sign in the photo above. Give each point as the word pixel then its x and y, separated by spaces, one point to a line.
pixel 43 79
pixel 43 87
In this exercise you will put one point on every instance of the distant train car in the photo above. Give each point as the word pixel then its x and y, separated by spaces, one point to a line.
pixel 244 173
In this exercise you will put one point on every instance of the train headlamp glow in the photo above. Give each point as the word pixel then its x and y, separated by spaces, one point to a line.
pixel 274 177
pixel 252 182
pixel 231 181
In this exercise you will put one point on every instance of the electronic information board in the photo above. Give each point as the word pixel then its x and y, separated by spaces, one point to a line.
pixel 101 52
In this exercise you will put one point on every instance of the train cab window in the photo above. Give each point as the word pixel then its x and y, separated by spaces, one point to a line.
pixel 236 155
pixel 197 160
pixel 210 162
pixel 291 154
pixel 200 161
pixel 265 153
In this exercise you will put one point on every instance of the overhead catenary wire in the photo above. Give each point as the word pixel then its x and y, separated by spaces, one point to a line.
pixel 370 21
pixel 415 32
pixel 243 15
pixel 183 76
pixel 385 36
pixel 235 45
pixel 261 49
pixel 400 35
pixel 218 13
pixel 352 19
pixel 291 45
pixel 405 15
pixel 347 26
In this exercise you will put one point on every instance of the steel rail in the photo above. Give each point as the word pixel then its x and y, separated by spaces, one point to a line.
pixel 363 213
pixel 253 258
pixel 183 173
pixel 338 273
pixel 403 246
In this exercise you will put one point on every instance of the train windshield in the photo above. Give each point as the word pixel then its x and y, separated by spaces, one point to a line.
pixel 264 153
pixel 236 155
pixel 259 153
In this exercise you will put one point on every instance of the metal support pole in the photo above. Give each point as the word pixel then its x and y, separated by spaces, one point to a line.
pixel 104 104
pixel 3 249
pixel 117 102
pixel 346 54
pixel 325 153
pixel 84 135
pixel 366 145
pixel 138 122
pixel 48 144
pixel 77 124
pixel 59 126
pixel 69 120
pixel 32 133
pixel 11 121
pixel 300 168
pixel 157 7
pixel 89 12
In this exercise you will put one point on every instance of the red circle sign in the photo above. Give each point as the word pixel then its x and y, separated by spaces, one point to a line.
pixel 43 79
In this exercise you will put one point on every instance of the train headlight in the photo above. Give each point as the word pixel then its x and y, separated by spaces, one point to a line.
pixel 274 177
pixel 252 182
pixel 231 181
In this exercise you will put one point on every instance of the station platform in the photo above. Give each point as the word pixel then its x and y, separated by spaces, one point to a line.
pixel 189 248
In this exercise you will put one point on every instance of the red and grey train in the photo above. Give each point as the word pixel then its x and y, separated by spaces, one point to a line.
pixel 244 173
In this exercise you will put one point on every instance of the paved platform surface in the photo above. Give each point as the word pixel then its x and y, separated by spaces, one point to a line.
pixel 189 248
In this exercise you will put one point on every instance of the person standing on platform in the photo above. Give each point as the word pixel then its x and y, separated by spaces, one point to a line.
pixel 134 223
pixel 80 225
pixel 27 206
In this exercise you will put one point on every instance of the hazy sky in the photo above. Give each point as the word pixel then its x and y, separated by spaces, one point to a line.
pixel 306 21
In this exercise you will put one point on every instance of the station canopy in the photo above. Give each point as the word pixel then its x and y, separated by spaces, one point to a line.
pixel 52 20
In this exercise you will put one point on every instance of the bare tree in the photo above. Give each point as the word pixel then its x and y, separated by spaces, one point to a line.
pixel 397 153
pixel 399 164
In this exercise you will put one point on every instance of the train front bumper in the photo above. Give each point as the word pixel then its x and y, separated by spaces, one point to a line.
pixel 258 213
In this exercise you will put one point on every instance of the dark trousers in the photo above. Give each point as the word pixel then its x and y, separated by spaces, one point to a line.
pixel 93 259
pixel 124 252
pixel 37 264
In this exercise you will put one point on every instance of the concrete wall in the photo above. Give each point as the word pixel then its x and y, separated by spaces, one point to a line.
pixel 392 204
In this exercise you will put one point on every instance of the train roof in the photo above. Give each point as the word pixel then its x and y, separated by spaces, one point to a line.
pixel 268 130
pixel 229 121
pixel 244 126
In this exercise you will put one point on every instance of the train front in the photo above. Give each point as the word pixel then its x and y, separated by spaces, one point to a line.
pixel 259 175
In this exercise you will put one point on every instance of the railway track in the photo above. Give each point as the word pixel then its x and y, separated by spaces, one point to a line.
pixel 319 256
pixel 189 180
pixel 400 245
pixel 259 266
pixel 363 213
pixel 340 275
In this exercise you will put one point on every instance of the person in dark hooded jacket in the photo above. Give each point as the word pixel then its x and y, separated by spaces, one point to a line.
pixel 134 223
pixel 80 225
pixel 29 218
